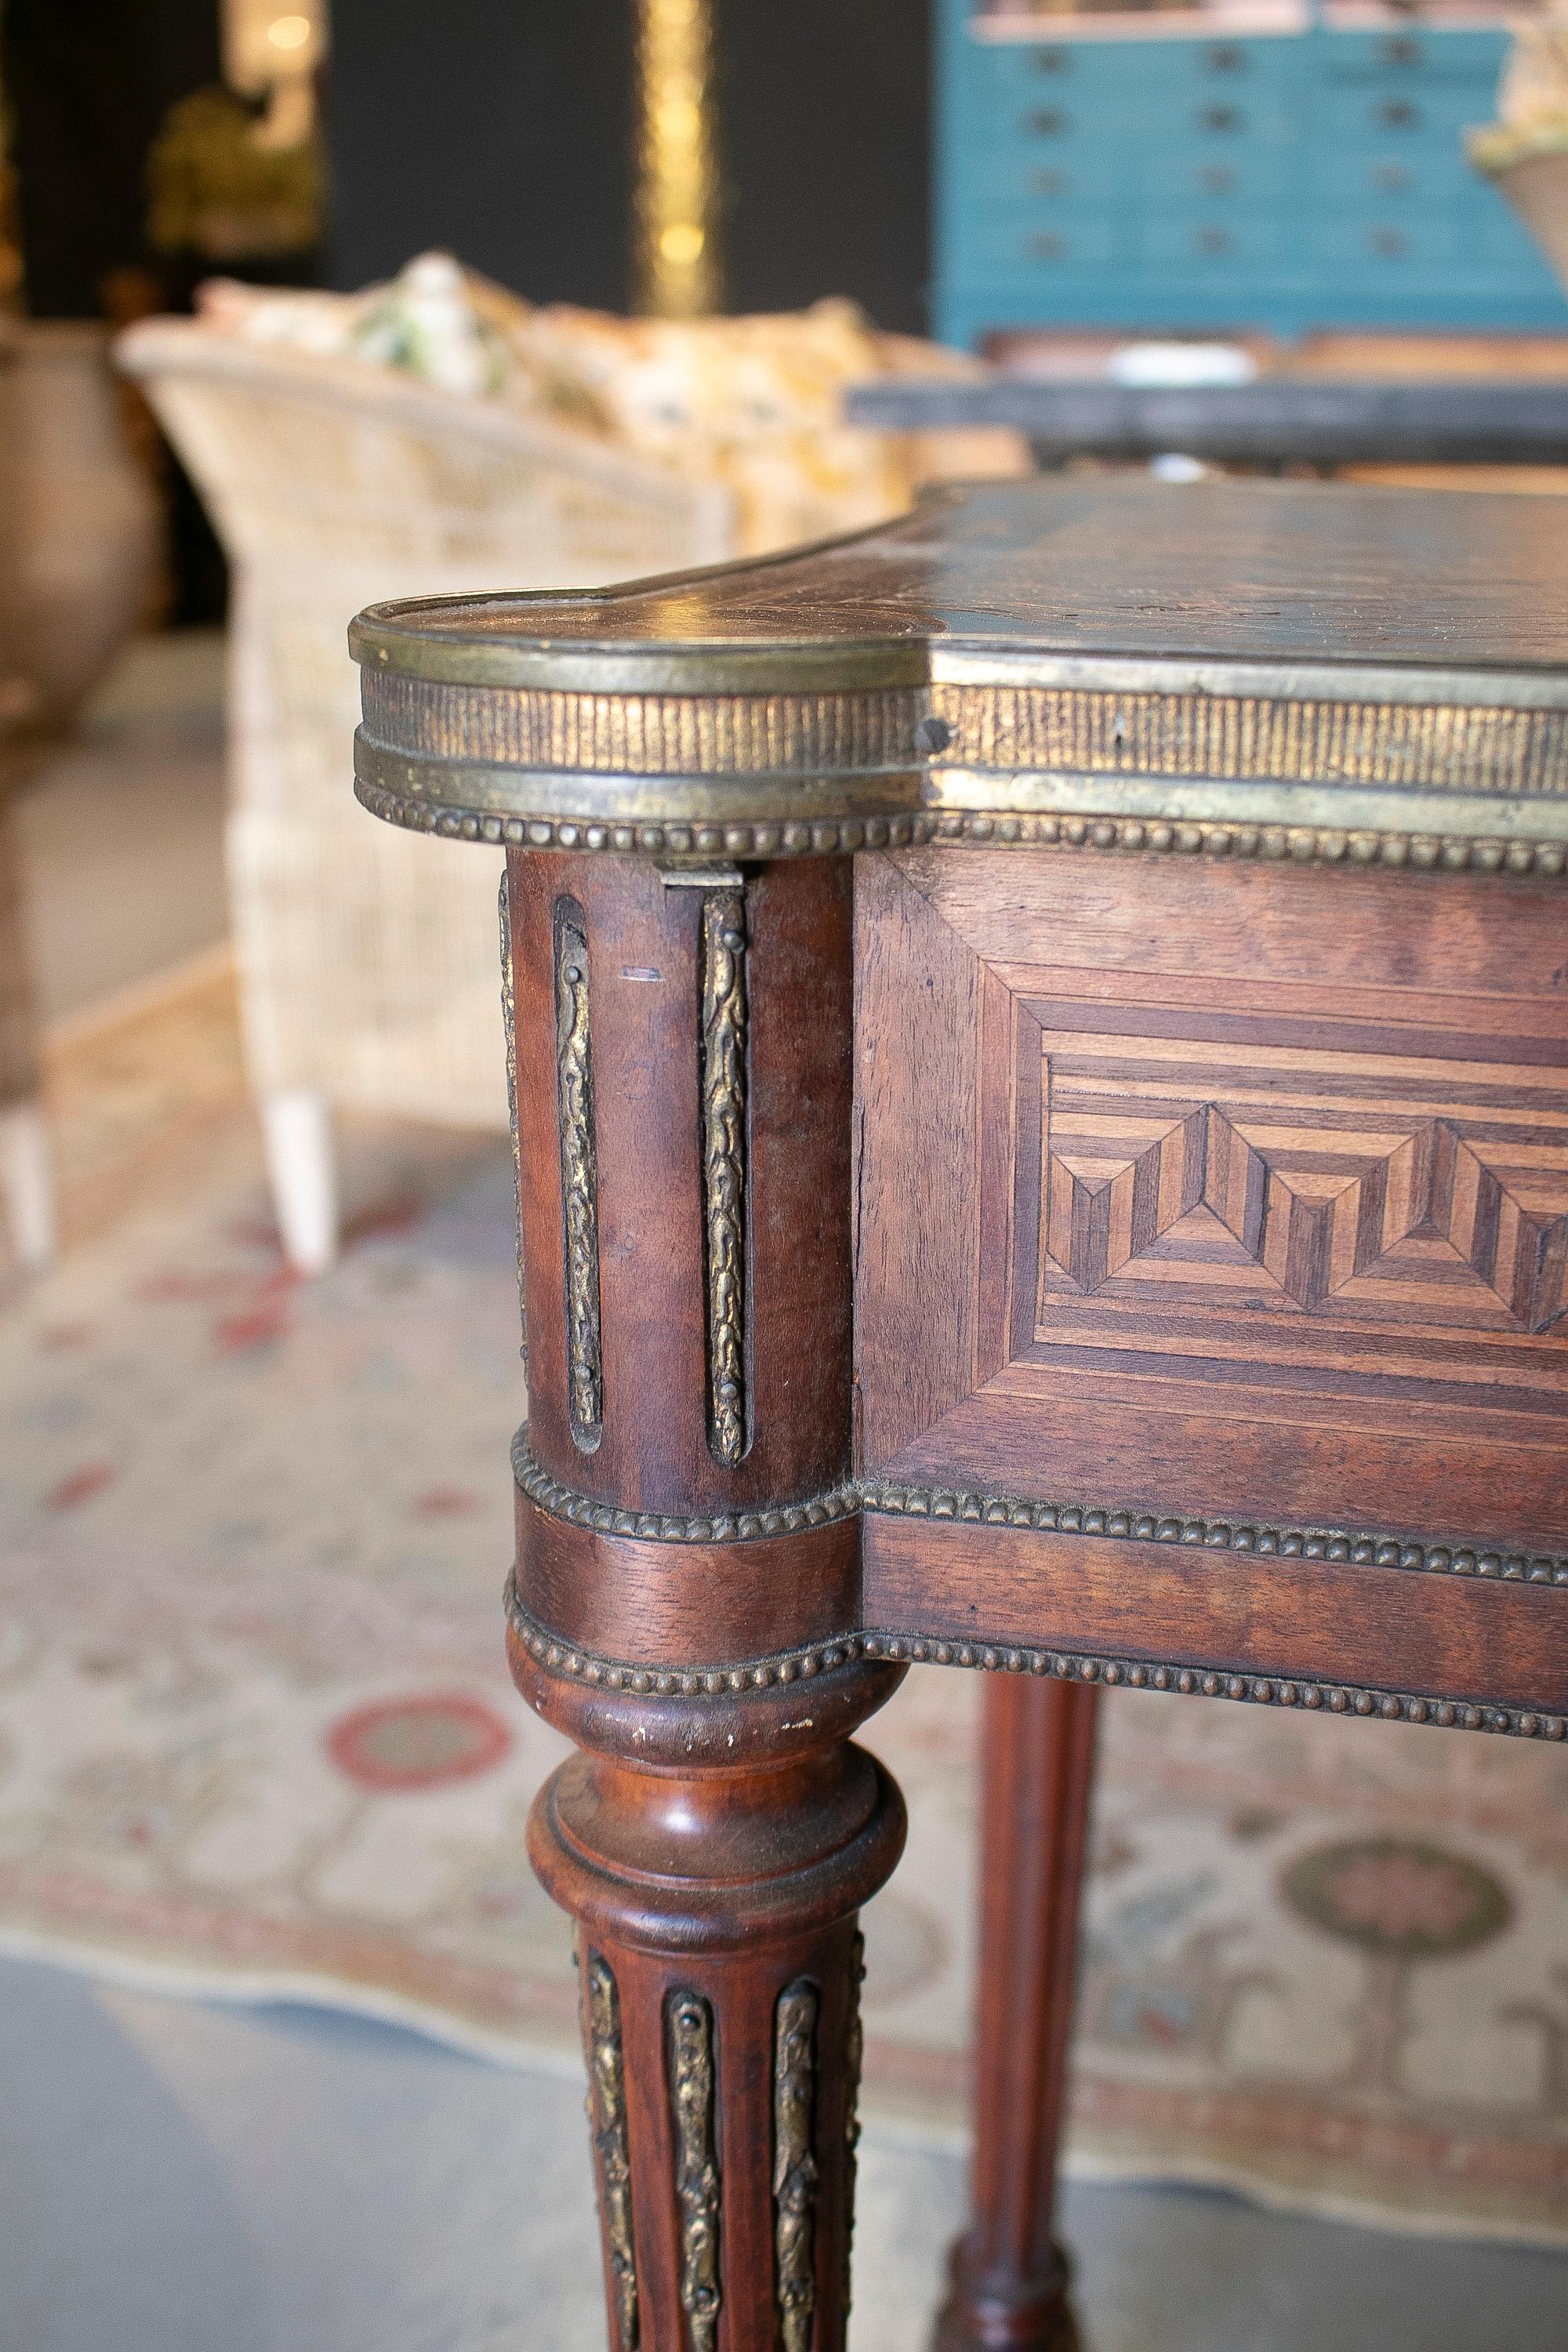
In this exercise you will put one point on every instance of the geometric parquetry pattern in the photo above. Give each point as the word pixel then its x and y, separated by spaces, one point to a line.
pixel 1173 1163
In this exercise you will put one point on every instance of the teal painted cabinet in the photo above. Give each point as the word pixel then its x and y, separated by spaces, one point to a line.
pixel 1283 180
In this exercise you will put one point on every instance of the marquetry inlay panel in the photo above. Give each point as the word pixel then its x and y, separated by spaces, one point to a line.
pixel 1227 1176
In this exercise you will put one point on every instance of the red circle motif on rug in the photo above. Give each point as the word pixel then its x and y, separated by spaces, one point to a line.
pixel 405 1744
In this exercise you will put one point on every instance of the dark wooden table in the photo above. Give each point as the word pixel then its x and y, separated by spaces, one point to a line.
pixel 1041 1054
pixel 1315 420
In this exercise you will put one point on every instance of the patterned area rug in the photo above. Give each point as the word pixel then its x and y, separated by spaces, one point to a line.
pixel 257 1739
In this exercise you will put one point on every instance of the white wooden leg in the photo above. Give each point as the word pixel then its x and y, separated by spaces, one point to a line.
pixel 298 1126
pixel 28 1184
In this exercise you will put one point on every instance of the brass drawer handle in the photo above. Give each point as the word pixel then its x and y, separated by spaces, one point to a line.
pixel 1392 243
pixel 1048 123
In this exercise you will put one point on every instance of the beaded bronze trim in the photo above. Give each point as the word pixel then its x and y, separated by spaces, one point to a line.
pixel 771 837
pixel 663 1526
pixel 1352 849
pixel 1020 1658
pixel 1216 1535
pixel 1300 844
pixel 1363 1550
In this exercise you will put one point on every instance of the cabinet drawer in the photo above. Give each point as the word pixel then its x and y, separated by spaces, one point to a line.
pixel 1413 58
pixel 1189 181
pixel 1213 243
pixel 1012 70
pixel 1396 121
pixel 1077 172
pixel 1230 69
pixel 1051 122
pixel 1223 118
pixel 1020 243
pixel 1385 245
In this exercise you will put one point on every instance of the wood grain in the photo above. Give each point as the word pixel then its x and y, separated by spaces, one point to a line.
pixel 916 1233
pixel 1278 1216
pixel 1454 1637
pixel 643 949
pixel 687 1604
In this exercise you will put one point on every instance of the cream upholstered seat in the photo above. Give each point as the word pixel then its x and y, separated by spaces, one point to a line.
pixel 368 958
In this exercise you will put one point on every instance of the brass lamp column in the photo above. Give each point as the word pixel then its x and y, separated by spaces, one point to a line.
pixel 675 261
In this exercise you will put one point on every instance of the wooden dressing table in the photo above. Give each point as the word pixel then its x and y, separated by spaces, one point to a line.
pixel 1041 1050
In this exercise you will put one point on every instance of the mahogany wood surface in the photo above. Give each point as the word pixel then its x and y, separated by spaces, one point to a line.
pixel 688 1604
pixel 644 989
pixel 1206 1056
pixel 1041 1054
pixel 1446 1637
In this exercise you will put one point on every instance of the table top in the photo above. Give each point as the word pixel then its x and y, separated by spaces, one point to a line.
pixel 1274 572
pixel 1291 668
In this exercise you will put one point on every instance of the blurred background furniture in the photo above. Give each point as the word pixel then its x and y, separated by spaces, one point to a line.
pixel 1320 421
pixel 79 523
pixel 1280 166
pixel 366 960
pixel 81 515
pixel 26 1189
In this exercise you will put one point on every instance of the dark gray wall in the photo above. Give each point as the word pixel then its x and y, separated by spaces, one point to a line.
pixel 87 82
pixel 826 134
pixel 502 129
pixel 499 129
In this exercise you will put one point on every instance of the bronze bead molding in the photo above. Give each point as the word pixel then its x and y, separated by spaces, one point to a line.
pixel 662 1526
pixel 1103 1520
pixel 561 1657
pixel 1352 850
pixel 783 1667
